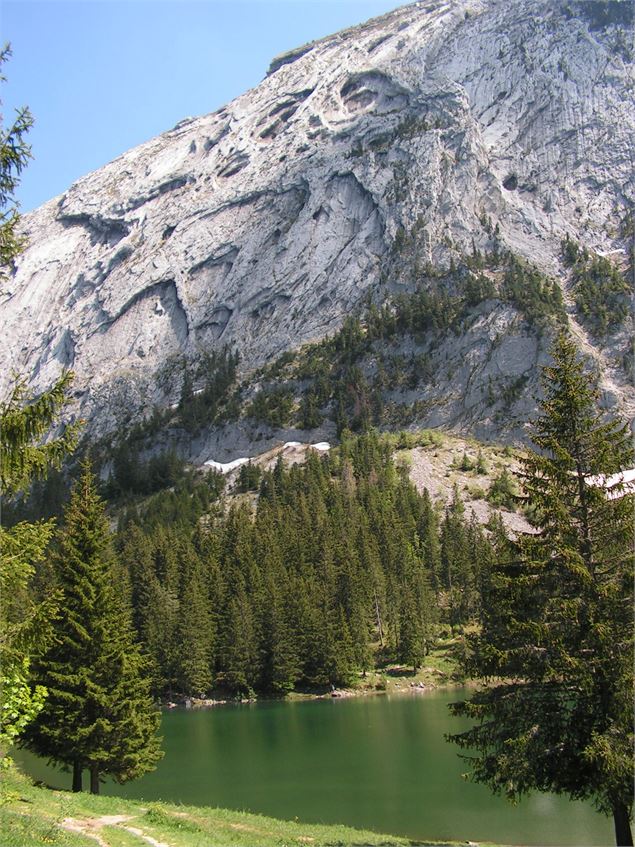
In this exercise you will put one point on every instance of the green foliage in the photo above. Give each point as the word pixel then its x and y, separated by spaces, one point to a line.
pixel 98 714
pixel 557 635
pixel 503 491
pixel 210 402
pixel 536 296
pixel 25 623
pixel 133 476
pixel 459 564
pixel 14 155
pixel 571 251
pixel 602 293
pixel 310 416
pixel 478 288
pixel 20 702
pixel 249 476
pixel 466 463
pixel 184 504
pixel 25 420
pixel 271 406
pixel 337 555
pixel 481 467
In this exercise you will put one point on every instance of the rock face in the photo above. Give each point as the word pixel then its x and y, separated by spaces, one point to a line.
pixel 260 226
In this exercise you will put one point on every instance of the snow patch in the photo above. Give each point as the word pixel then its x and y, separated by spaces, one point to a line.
pixel 617 485
pixel 226 467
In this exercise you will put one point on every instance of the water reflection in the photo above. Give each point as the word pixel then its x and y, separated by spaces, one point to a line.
pixel 378 763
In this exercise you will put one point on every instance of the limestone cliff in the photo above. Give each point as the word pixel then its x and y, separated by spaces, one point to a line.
pixel 262 225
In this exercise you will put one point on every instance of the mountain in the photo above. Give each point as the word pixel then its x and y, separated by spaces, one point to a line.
pixel 444 145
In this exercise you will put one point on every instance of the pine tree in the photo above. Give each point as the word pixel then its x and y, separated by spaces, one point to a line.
pixel 154 607
pixel 456 564
pixel 557 637
pixel 24 624
pixel 410 647
pixel 195 636
pixel 428 532
pixel 163 612
pixel 98 714
pixel 415 613
pixel 14 154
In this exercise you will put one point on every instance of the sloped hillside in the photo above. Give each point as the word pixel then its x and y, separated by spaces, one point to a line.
pixel 371 162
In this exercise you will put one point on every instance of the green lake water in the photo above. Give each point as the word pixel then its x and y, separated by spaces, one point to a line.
pixel 376 762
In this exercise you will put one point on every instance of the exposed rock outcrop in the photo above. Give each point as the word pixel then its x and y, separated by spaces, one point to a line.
pixel 261 225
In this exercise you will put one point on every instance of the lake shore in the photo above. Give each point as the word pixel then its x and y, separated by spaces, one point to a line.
pixel 440 671
pixel 39 816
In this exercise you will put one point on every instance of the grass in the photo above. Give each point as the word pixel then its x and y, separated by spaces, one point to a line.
pixel 440 668
pixel 32 815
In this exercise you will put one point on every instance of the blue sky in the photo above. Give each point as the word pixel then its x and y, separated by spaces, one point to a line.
pixel 101 76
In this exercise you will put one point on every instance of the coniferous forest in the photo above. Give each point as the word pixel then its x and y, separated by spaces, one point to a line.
pixel 132 580
pixel 309 576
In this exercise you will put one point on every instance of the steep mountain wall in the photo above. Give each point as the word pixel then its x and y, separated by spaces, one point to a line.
pixel 358 162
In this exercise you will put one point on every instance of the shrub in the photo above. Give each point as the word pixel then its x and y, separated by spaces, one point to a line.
pixel 503 491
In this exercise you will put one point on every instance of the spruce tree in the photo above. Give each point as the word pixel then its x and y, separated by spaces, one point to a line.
pixel 410 647
pixel 24 420
pixel 456 565
pixel 98 714
pixel 15 152
pixel 195 636
pixel 25 624
pixel 557 636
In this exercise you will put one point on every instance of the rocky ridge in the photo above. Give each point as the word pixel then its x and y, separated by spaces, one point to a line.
pixel 358 162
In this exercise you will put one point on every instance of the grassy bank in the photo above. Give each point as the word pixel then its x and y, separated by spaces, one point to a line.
pixel 31 816
pixel 440 669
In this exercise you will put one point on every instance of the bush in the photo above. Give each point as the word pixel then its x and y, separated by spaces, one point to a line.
pixel 466 463
pixel 503 491
pixel 481 467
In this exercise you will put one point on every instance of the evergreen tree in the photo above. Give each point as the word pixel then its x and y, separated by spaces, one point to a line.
pixel 14 154
pixel 428 532
pixel 557 636
pixel 25 624
pixel 98 714
pixel 415 613
pixel 310 417
pixel 278 652
pixel 410 648
pixel 195 636
pixel 456 563
pixel 24 627
pixel 154 607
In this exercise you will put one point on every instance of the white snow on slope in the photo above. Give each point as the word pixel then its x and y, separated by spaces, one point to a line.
pixel 617 485
pixel 226 467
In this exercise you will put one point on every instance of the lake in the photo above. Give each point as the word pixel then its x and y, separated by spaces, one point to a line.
pixel 374 762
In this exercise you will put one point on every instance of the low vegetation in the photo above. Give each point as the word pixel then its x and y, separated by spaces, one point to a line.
pixel 40 817
pixel 602 293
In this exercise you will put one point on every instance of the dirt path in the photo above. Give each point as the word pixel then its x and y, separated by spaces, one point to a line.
pixel 141 834
pixel 90 827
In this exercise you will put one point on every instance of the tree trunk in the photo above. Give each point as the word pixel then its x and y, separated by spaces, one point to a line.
pixel 77 776
pixel 94 779
pixel 623 834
